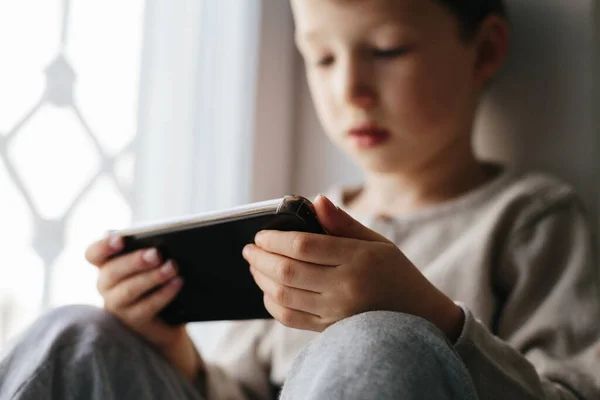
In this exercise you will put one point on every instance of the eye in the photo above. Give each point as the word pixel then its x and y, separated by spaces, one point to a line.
pixel 390 53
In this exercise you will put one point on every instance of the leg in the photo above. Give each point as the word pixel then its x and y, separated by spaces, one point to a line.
pixel 82 352
pixel 379 355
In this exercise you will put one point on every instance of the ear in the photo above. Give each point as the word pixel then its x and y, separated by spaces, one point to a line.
pixel 491 46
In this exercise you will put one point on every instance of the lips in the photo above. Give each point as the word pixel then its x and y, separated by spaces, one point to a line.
pixel 368 136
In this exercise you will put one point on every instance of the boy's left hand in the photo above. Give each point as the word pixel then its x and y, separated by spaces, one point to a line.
pixel 311 281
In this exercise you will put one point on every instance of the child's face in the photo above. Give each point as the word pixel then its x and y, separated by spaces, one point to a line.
pixel 393 81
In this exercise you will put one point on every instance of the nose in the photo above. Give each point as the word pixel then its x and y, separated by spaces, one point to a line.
pixel 355 83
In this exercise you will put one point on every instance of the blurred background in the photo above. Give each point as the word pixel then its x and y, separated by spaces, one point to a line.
pixel 116 112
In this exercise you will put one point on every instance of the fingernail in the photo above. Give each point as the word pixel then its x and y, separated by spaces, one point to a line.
pixel 260 236
pixel 176 282
pixel 246 251
pixel 115 242
pixel 168 269
pixel 151 257
pixel 329 203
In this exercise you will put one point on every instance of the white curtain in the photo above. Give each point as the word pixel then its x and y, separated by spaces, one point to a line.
pixel 216 105
pixel 197 93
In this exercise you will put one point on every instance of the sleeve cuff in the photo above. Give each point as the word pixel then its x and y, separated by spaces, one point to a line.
pixel 217 385
pixel 463 344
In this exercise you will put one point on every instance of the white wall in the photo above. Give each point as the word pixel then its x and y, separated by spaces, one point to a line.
pixel 274 115
pixel 539 114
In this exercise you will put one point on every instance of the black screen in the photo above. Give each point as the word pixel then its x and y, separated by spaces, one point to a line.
pixel 217 280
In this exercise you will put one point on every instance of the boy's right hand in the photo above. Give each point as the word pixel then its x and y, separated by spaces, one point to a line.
pixel 135 287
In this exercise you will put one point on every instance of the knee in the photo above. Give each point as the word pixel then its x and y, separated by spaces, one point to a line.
pixel 77 317
pixel 395 340
pixel 396 355
pixel 380 330
pixel 74 332
pixel 72 324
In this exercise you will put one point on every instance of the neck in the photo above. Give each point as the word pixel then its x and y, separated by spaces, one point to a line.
pixel 439 179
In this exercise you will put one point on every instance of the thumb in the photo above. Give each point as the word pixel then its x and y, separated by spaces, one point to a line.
pixel 338 223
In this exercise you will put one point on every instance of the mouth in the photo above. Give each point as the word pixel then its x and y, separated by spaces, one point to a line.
pixel 366 136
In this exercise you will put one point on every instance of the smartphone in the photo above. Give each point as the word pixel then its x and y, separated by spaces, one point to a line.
pixel 217 283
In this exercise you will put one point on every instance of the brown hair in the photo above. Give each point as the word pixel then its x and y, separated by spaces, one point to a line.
pixel 471 13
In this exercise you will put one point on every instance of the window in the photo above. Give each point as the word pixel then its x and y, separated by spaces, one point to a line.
pixel 68 112
pixel 113 112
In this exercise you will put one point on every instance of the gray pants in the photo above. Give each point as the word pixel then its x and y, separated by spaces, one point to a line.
pixel 81 352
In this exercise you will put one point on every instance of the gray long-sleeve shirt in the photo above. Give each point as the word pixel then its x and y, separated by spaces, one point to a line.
pixel 516 254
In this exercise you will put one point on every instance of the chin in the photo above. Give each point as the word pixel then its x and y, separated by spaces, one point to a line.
pixel 378 163
pixel 382 159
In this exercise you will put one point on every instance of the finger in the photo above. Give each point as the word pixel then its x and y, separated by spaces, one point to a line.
pixel 147 309
pixel 287 271
pixel 338 223
pixel 308 247
pixel 131 290
pixel 99 252
pixel 293 318
pixel 288 297
pixel 126 265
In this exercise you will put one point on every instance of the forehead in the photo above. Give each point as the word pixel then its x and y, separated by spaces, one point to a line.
pixel 314 18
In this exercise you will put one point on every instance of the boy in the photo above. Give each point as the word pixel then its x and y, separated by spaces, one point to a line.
pixel 499 298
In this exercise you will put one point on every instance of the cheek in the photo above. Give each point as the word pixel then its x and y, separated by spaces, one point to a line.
pixel 324 103
pixel 428 98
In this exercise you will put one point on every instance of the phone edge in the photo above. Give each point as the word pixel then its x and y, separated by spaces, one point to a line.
pixel 204 219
